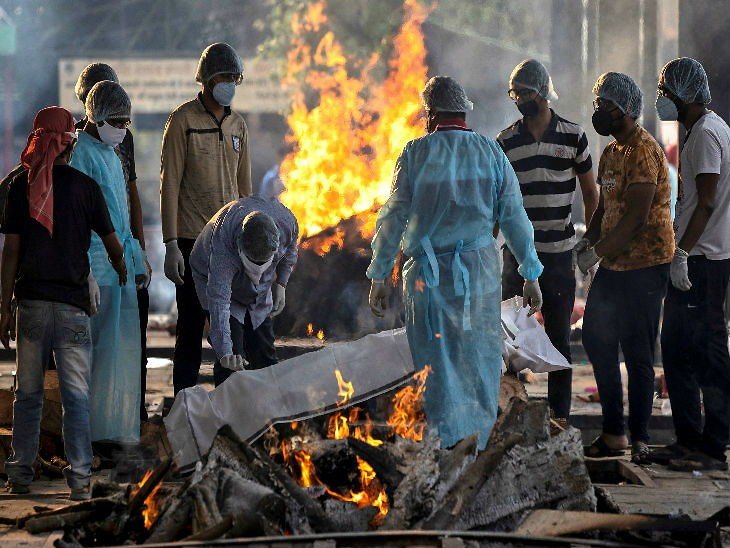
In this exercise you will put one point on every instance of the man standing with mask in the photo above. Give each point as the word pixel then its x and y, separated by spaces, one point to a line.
pixel 241 263
pixel 90 76
pixel 694 336
pixel 205 165
pixel 115 381
pixel 547 153
pixel 631 234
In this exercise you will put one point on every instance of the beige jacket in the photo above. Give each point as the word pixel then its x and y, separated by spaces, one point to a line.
pixel 203 167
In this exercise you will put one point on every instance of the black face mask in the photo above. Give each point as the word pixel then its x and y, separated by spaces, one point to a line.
pixel 529 108
pixel 603 122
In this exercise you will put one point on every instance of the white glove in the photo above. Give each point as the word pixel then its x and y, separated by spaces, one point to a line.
pixel 174 263
pixel 376 299
pixel 234 362
pixel 279 294
pixel 578 248
pixel 531 295
pixel 587 259
pixel 678 270
pixel 143 280
pixel 94 293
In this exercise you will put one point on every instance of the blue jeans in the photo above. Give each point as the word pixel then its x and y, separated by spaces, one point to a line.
pixel 45 326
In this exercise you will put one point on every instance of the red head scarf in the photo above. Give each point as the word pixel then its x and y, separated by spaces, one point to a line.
pixel 53 129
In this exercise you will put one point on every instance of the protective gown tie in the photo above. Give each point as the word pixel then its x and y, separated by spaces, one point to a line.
pixel 460 275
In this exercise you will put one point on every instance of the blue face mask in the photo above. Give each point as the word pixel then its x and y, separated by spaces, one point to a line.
pixel 223 93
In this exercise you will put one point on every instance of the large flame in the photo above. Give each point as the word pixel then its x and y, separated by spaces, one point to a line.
pixel 348 142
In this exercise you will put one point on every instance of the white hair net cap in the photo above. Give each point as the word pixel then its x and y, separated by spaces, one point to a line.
pixel 107 99
pixel 92 74
pixel 218 58
pixel 532 74
pixel 259 237
pixel 621 90
pixel 686 78
pixel 444 94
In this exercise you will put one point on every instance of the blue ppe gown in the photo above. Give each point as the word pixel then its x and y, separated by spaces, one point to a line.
pixel 116 351
pixel 449 189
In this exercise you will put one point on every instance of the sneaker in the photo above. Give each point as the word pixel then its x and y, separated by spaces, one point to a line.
pixel 662 455
pixel 82 493
pixel 697 460
pixel 17 488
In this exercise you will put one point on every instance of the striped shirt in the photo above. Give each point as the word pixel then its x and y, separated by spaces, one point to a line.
pixel 546 171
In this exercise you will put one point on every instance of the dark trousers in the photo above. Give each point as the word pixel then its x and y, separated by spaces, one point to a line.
pixel 623 308
pixel 557 284
pixel 695 356
pixel 256 345
pixel 143 301
pixel 190 323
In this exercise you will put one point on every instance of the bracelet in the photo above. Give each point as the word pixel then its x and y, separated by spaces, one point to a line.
pixel 110 259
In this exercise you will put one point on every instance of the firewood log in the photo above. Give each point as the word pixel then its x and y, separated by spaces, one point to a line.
pixel 383 463
pixel 144 491
pixel 174 521
pixel 453 462
pixel 102 506
pixel 469 484
pixel 268 473
pixel 213 532
pixel 47 523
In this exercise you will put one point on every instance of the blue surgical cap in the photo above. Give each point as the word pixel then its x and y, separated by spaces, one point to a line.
pixel 107 99
pixel 444 94
pixel 686 78
pixel 621 90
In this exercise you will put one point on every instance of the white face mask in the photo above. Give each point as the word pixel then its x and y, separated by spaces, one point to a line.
pixel 111 135
pixel 255 271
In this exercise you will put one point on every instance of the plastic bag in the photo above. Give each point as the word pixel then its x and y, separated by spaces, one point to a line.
pixel 295 389
pixel 525 343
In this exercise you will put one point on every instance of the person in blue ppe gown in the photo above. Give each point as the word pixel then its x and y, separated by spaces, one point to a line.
pixel 115 374
pixel 449 189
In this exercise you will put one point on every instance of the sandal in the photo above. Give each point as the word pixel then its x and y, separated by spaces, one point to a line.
pixel 640 453
pixel 600 449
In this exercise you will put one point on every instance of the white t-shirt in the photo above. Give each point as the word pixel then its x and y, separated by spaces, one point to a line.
pixel 707 150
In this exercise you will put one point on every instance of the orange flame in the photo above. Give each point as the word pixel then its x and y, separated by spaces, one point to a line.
pixel 151 508
pixel 347 143
pixel 408 420
pixel 322 244
pixel 310 330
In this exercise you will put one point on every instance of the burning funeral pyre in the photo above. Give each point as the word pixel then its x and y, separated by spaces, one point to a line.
pixel 345 472
pixel 347 127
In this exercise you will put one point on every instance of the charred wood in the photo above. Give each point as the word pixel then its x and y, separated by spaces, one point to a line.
pixel 47 523
pixel 469 484
pixel 144 491
pixel 385 465
pixel 270 474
